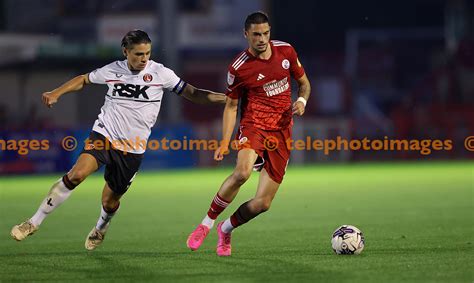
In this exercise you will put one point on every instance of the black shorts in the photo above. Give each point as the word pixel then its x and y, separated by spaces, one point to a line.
pixel 120 167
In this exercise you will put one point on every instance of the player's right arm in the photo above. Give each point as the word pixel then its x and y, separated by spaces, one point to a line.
pixel 51 97
pixel 235 89
pixel 228 123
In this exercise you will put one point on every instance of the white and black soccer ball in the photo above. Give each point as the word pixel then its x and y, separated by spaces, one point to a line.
pixel 347 240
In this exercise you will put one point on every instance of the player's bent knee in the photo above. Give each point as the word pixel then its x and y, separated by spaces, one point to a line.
pixel 241 176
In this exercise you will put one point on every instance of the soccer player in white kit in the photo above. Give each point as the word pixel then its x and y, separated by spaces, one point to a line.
pixel 132 104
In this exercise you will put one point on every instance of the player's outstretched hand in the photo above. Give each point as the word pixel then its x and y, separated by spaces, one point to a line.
pixel 298 108
pixel 49 99
pixel 220 152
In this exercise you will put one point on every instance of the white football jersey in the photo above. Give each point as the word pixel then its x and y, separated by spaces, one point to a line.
pixel 132 102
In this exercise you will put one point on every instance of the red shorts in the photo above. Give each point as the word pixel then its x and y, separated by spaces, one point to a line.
pixel 273 153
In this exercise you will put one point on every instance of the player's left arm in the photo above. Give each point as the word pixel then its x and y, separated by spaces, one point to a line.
pixel 50 98
pixel 203 96
pixel 304 90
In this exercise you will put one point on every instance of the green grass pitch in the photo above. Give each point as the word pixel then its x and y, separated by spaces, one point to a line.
pixel 417 218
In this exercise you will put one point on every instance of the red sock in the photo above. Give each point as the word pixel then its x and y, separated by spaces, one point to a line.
pixel 217 206
pixel 234 221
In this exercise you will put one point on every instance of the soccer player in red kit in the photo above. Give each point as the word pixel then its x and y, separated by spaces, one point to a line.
pixel 261 78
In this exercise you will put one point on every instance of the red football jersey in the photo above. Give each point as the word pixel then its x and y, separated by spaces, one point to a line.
pixel 264 86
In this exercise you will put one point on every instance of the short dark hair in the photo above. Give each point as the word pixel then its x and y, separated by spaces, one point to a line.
pixel 135 37
pixel 256 18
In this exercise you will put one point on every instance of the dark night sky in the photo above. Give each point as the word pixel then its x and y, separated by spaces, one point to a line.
pixel 323 23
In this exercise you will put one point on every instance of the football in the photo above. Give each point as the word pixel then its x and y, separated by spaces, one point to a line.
pixel 347 240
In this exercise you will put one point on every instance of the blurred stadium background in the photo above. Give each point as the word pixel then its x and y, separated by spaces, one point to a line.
pixel 401 69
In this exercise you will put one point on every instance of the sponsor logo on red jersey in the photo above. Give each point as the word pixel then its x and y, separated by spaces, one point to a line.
pixel 276 87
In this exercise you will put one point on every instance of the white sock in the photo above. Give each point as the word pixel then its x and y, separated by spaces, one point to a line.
pixel 56 196
pixel 207 221
pixel 227 226
pixel 104 219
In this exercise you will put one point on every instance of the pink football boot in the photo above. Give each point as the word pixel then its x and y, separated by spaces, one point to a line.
pixel 196 238
pixel 224 247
